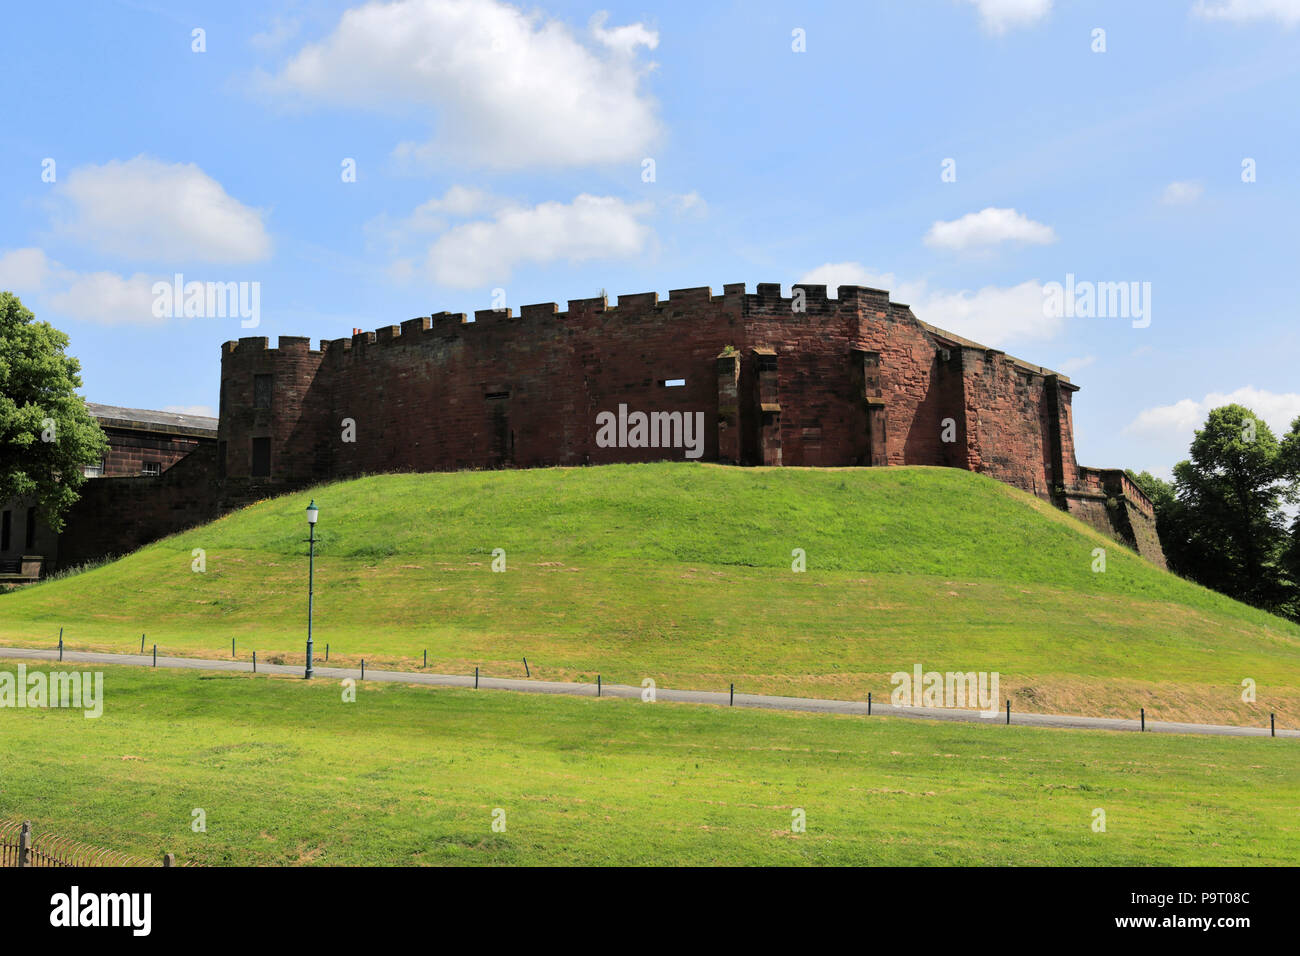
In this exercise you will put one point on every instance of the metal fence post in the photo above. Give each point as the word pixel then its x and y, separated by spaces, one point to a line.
pixel 363 668
pixel 868 703
pixel 1143 712
pixel 60 645
pixel 141 643
pixel 232 647
pixel 1272 726
pixel 25 844
pixel 527 672
pixel 1008 711
pixel 426 657
pixel 597 685
pixel 476 678
pixel 254 662
pixel 155 655
pixel 733 696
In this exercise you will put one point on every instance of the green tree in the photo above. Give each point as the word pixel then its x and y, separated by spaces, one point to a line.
pixel 1160 492
pixel 1291 449
pixel 1229 529
pixel 1291 565
pixel 47 435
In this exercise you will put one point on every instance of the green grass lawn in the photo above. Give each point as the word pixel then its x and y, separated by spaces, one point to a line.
pixel 682 572
pixel 289 773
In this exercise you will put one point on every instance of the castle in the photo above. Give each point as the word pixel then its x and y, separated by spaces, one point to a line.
pixel 755 378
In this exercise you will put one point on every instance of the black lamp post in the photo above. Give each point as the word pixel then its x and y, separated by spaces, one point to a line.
pixel 312 512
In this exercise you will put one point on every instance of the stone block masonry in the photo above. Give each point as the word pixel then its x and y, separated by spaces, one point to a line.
pixel 806 380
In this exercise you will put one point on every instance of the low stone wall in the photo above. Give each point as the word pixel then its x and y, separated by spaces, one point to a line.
pixel 1108 500
pixel 117 515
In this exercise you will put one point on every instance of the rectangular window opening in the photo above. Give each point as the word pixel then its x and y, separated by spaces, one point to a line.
pixel 673 382
pixel 261 391
pixel 151 469
pixel 261 458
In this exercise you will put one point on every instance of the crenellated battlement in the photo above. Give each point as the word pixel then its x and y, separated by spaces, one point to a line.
pixel 260 344
pixel 766 300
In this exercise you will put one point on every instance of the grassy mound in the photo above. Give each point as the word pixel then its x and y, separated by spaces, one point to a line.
pixel 683 573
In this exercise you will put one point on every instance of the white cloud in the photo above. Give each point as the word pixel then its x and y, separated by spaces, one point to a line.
pixel 1182 416
pixel 835 274
pixel 992 315
pixel 24 270
pixel 107 298
pixel 988 227
pixel 1182 193
pixel 510 89
pixel 1000 15
pixel 102 297
pixel 459 201
pixel 691 203
pixel 148 210
pixel 433 215
pixel 1286 12
pixel 1178 422
pixel 624 40
pixel 485 251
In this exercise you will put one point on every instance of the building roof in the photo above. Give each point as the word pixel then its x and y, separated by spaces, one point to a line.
pixel 146 419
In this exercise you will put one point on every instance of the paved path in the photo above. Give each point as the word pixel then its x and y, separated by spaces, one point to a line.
pixel 811 704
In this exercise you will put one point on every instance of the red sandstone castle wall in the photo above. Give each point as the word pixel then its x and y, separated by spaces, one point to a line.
pixel 293 422
pixel 523 391
pixel 1017 422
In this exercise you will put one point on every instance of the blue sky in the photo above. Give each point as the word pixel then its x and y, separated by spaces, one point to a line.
pixel 504 148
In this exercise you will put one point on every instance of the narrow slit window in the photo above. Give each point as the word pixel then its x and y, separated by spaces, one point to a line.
pixel 674 383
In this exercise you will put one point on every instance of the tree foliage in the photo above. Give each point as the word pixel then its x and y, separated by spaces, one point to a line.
pixel 1223 520
pixel 47 435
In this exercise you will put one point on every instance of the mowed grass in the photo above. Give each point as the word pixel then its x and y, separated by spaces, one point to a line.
pixel 289 773
pixel 682 573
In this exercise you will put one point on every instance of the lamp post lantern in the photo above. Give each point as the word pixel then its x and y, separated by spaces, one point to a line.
pixel 312 513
